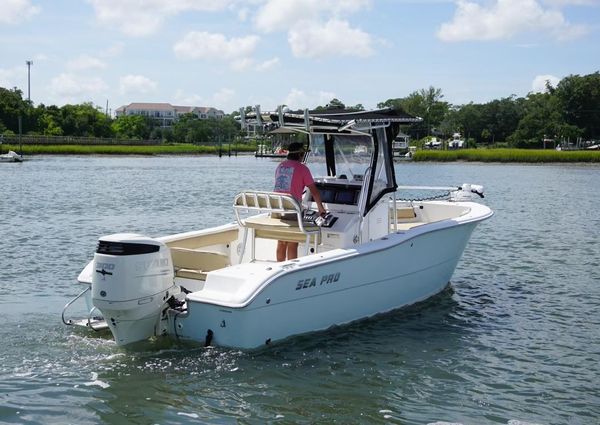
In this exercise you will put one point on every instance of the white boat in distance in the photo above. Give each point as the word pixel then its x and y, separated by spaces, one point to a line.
pixel 222 286
pixel 11 156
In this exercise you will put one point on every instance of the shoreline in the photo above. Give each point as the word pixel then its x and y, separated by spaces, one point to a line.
pixel 144 150
pixel 500 155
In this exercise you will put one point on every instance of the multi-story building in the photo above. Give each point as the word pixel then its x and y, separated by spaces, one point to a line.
pixel 166 114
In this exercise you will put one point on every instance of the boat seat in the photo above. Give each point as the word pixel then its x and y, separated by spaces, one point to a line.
pixel 204 240
pixel 194 263
pixel 273 227
pixel 404 213
pixel 406 218
pixel 278 216
pixel 402 227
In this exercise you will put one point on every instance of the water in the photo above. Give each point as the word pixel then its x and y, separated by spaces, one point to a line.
pixel 514 340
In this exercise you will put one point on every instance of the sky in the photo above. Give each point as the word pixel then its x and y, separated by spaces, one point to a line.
pixel 300 53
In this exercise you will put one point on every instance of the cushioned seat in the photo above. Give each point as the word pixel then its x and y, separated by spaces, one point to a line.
pixel 269 227
pixel 280 218
pixel 405 213
pixel 194 264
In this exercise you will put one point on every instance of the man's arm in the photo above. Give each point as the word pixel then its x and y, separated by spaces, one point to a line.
pixel 316 195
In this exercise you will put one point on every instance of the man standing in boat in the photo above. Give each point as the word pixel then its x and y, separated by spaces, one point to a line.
pixel 292 176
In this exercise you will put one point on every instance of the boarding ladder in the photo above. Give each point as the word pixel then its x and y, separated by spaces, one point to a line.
pixel 96 323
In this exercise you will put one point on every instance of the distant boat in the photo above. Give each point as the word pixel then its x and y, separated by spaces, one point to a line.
pixel 400 146
pixel 11 156
pixel 457 142
pixel 264 151
pixel 433 143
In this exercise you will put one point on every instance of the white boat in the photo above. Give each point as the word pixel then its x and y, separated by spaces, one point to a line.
pixel 222 286
pixel 433 143
pixel 11 156
pixel 457 142
pixel 400 145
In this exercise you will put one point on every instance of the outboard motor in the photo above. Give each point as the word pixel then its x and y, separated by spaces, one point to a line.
pixel 466 191
pixel 132 281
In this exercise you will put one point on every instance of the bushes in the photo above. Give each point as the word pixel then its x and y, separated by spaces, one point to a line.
pixel 508 155
pixel 171 149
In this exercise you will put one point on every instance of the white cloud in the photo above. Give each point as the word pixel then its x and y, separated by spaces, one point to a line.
pixel 571 2
pixel 243 13
pixel 237 51
pixel 247 64
pixel 334 38
pixel 208 46
pixel 137 84
pixel 539 83
pixel 137 19
pixel 242 64
pixel 112 51
pixel 297 99
pixel 9 77
pixel 268 64
pixel 277 15
pixel 222 99
pixel 85 62
pixel 16 11
pixel 75 87
pixel 504 19
pixel 317 27
pixel 184 97
pixel 225 95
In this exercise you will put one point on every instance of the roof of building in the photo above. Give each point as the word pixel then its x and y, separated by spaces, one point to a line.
pixel 147 106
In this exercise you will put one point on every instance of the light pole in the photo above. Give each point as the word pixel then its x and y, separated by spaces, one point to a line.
pixel 29 63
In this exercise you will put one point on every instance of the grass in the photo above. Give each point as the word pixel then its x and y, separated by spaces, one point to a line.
pixel 479 155
pixel 507 155
pixel 175 149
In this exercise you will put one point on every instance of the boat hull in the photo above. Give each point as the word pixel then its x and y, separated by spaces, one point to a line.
pixel 378 277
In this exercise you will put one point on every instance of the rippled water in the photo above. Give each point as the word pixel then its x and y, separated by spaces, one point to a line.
pixel 514 340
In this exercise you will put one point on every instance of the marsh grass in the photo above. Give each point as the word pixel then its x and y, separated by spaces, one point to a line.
pixel 479 155
pixel 507 155
pixel 175 149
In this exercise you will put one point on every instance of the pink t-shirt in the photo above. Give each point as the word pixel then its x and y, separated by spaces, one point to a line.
pixel 291 177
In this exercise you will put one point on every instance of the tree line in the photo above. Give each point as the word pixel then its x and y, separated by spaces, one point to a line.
pixel 87 120
pixel 569 111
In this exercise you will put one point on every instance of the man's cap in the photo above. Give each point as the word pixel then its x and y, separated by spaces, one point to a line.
pixel 296 147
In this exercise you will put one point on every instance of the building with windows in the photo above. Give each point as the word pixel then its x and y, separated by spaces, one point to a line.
pixel 166 114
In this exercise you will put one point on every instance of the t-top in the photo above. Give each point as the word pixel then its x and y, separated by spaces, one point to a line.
pixel 291 177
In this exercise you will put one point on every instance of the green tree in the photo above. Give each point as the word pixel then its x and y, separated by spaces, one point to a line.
pixel 191 129
pixel 501 118
pixel 468 119
pixel 579 100
pixel 85 120
pixel 132 127
pixel 48 120
pixel 425 103
pixel 12 106
pixel 542 119
pixel 333 104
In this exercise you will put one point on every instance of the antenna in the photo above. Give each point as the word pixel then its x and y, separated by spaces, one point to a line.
pixel 306 120
pixel 258 115
pixel 29 63
pixel 243 118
